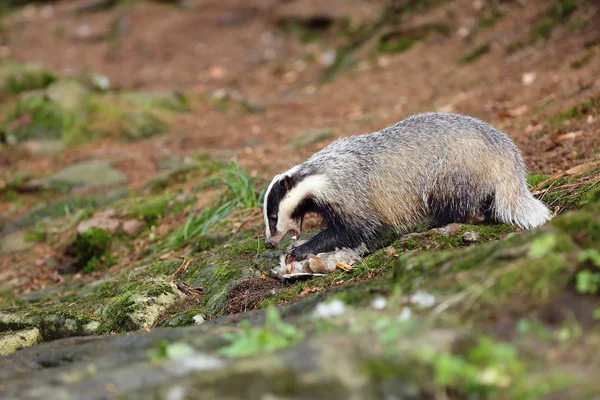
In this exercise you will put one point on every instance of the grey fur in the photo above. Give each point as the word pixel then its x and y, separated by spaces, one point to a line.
pixel 406 173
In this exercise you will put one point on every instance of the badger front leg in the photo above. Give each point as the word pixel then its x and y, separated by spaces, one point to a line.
pixel 326 241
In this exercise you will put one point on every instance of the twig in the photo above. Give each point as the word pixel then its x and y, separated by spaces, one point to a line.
pixel 183 267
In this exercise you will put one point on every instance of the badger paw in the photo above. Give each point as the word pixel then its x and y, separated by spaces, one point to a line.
pixel 297 254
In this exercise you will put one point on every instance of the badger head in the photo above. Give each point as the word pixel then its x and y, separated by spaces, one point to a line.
pixel 288 197
pixel 278 217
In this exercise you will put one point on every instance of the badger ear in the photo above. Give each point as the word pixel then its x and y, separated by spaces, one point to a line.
pixel 286 182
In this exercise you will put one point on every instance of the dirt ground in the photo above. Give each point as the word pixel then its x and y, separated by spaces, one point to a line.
pixel 237 46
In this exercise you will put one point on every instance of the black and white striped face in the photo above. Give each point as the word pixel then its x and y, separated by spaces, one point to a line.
pixel 278 222
pixel 287 199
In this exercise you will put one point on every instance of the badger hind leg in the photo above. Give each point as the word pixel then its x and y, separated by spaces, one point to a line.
pixel 466 206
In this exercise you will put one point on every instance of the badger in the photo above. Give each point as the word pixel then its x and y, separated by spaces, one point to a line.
pixel 431 168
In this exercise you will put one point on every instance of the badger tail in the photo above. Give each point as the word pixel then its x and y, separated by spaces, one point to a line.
pixel 516 205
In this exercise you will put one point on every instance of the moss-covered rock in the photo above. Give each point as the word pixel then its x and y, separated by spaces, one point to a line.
pixel 16 78
pixel 13 341
pixel 172 100
pixel 92 249
pixel 141 125
pixel 138 305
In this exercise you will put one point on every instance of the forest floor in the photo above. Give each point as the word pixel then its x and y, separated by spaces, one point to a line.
pixel 137 140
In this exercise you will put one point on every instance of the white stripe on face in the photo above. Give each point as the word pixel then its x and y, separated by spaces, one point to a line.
pixel 313 185
pixel 268 229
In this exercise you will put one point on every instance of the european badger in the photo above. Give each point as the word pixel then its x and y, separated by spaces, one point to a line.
pixel 433 167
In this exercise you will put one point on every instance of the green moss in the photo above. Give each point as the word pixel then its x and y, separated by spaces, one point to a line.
pixel 141 125
pixel 398 41
pixel 396 45
pixel 117 313
pixel 542 29
pixel 583 226
pixel 46 120
pixel 588 107
pixel 171 101
pixel 528 268
pixel 185 318
pixel 92 250
pixel 582 61
pixel 36 235
pixel 535 179
pixel 475 53
pixel 151 209
pixel 17 78
pixel 515 46
pixel 489 20
pixel 489 232
pixel 557 14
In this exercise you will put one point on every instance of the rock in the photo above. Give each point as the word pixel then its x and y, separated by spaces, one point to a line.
pixel 44 146
pixel 70 95
pixel 14 243
pixel 13 341
pixel 88 174
pixel 471 237
pixel 16 78
pixel 108 224
pixel 133 227
pixel 140 308
pixel 36 117
pixel 72 204
pixel 449 230
pixel 141 125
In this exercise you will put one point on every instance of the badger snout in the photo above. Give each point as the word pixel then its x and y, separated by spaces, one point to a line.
pixel 274 240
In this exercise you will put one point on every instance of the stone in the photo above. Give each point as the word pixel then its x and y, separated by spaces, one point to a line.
pixel 72 204
pixel 88 174
pixel 133 227
pixel 110 225
pixel 14 243
pixel 70 95
pixel 44 146
pixel 471 237
pixel 142 125
pixel 13 341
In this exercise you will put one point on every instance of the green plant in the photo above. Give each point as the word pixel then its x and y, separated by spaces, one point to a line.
pixel 588 281
pixel 558 13
pixel 92 249
pixel 474 53
pixel 46 119
pixel 486 368
pixel 536 179
pixel 170 351
pixel 239 193
pixel 275 335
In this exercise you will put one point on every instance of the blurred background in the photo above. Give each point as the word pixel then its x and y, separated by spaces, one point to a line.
pixel 109 103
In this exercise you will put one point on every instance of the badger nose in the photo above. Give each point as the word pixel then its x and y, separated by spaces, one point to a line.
pixel 269 245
